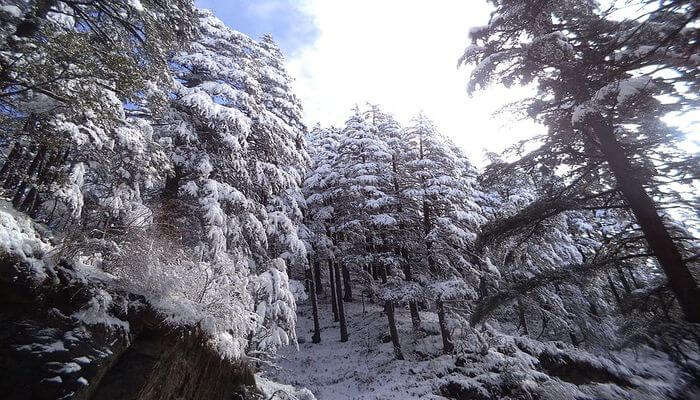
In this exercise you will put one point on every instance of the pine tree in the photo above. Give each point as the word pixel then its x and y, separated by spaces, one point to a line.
pixel 598 82
pixel 441 184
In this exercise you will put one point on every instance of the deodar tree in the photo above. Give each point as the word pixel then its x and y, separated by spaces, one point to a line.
pixel 603 81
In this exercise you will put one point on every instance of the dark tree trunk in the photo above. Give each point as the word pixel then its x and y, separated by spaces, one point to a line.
pixel 393 333
pixel 521 317
pixel 19 194
pixel 341 307
pixel 447 345
pixel 13 173
pixel 316 338
pixel 318 285
pixel 346 283
pixel 680 279
pixel 172 184
pixel 334 300
pixel 14 153
pixel 18 201
pixel 412 306
pixel 37 161
pixel 623 279
pixel 382 273
pixel 29 201
pixel 427 227
pixel 46 170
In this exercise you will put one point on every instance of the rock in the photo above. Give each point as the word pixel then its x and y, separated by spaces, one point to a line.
pixel 48 353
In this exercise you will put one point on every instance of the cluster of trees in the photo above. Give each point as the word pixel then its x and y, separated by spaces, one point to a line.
pixel 603 82
pixel 391 209
pixel 578 240
pixel 165 148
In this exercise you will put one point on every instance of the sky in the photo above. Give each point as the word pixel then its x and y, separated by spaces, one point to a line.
pixel 400 54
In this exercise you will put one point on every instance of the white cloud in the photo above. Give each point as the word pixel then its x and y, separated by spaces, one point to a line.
pixel 264 9
pixel 403 56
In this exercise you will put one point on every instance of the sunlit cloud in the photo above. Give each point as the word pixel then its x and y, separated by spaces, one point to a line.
pixel 403 56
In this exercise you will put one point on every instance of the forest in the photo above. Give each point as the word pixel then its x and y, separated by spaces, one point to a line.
pixel 173 227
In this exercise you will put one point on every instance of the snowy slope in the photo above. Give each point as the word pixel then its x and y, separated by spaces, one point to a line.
pixel 363 367
pixel 494 366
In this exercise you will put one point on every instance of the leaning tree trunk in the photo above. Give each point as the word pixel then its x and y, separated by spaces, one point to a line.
pixel 447 345
pixel 393 333
pixel 679 277
pixel 341 307
pixel 316 338
pixel 334 300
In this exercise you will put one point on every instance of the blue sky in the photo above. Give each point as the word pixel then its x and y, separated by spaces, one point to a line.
pixel 400 54
pixel 288 22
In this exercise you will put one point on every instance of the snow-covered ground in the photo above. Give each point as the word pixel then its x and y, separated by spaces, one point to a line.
pixel 363 367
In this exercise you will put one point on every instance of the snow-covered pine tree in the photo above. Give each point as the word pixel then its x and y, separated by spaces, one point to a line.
pixel 237 170
pixel 599 76
pixel 441 192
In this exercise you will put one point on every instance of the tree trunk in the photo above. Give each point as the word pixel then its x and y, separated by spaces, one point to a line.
pixel 412 306
pixel 447 345
pixel 318 285
pixel 680 279
pixel 19 194
pixel 341 307
pixel 393 333
pixel 623 279
pixel 29 201
pixel 172 184
pixel 334 300
pixel 316 338
pixel 14 153
pixel 13 176
pixel 36 162
pixel 346 283
pixel 521 317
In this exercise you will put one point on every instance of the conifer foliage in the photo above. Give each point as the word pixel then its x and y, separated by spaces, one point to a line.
pixel 140 124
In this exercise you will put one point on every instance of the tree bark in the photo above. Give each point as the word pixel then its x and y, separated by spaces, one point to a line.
pixel 346 283
pixel 679 277
pixel 334 300
pixel 521 317
pixel 341 307
pixel 14 153
pixel 447 345
pixel 29 201
pixel 316 338
pixel 15 174
pixel 393 333
pixel 318 285
pixel 412 305
pixel 623 279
